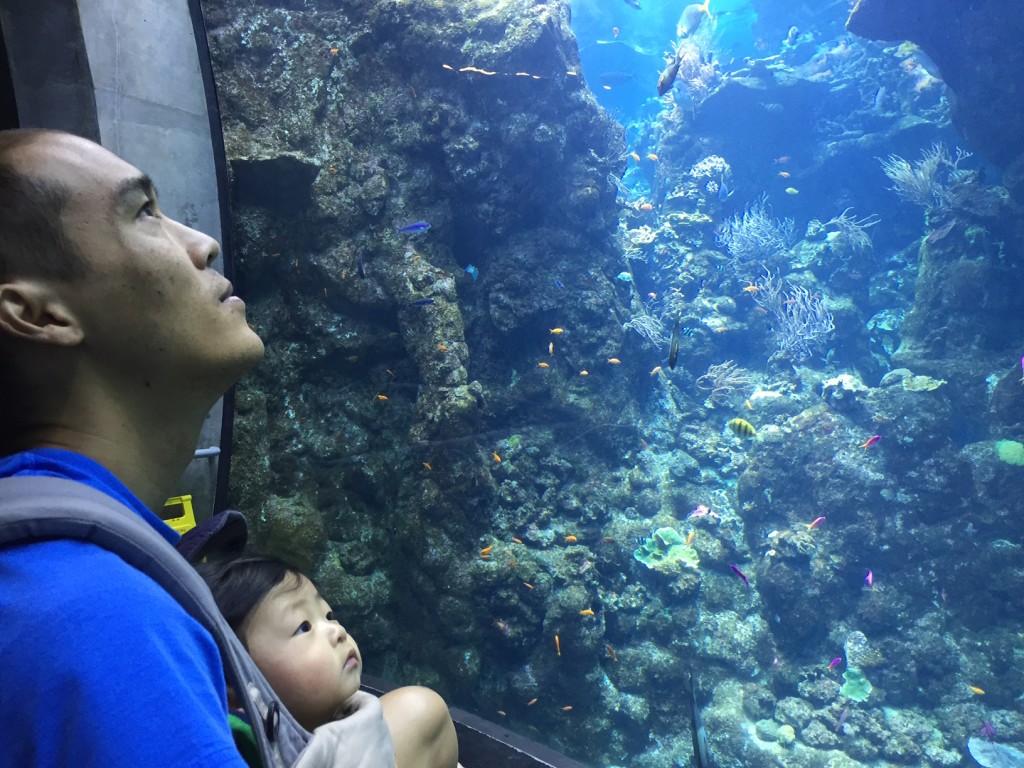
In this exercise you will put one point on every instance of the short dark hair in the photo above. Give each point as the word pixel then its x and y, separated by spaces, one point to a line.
pixel 239 584
pixel 33 242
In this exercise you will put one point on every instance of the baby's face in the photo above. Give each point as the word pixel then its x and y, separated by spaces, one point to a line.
pixel 306 655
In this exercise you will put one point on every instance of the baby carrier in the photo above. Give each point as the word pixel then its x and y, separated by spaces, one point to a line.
pixel 39 507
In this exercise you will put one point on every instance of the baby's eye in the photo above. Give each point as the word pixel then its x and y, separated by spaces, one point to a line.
pixel 330 616
pixel 304 627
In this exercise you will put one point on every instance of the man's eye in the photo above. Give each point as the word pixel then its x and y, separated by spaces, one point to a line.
pixel 304 627
pixel 148 209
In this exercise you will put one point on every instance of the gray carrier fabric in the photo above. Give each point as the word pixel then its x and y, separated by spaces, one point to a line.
pixel 38 507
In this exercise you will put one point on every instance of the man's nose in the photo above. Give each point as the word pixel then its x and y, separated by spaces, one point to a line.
pixel 202 249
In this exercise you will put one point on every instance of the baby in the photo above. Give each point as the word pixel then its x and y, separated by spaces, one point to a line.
pixel 311 661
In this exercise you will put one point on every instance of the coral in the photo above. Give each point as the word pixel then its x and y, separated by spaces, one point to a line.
pixel 801 323
pixel 849 235
pixel 785 735
pixel 922 383
pixel 1011 452
pixel 856 687
pixel 664 549
pixel 648 327
pixel 711 166
pixel 755 238
pixel 992 755
pixel 924 182
pixel 723 380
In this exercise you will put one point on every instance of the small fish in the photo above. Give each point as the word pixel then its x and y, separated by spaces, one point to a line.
pixel 842 719
pixel 587 612
pixel 543 365
pixel 741 574
pixel 782 160
pixel 656 370
pixel 1022 369
pixel 742 427
pixel 815 523
pixel 689 537
pixel 691 18
pixel 873 440
pixel 724 192
pixel 528 585
pixel 611 653
pixel 624 277
pixel 427 467
pixel 415 228
pixel 559 284
pixel 360 267
pixel 551 347
pixel 652 296
pixel 567 708
pixel 751 288
pixel 557 331
pixel 784 174
pixel 486 549
pixel 652 157
pixel 869 579
pixel 558 646
pixel 382 398
pixel 472 271
pixel 876 100
pixel 835 663
pixel 584 373
pixel 615 31
pixel 635 156
pixel 517 541
pixel 502 712
pixel 614 361
pixel 570 539
pixel 646 207
pixel 442 348
pixel 421 303
pixel 792 35
pixel 976 690
pixel 496 458
pixel 633 4
pixel 792 191
pixel 673 346
pixel 531 702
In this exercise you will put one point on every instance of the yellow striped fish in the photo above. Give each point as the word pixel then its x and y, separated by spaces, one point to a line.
pixel 742 427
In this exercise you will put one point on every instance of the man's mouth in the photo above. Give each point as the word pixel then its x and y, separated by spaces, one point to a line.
pixel 228 293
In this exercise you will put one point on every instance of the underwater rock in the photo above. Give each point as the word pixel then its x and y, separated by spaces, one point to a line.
pixel 989 754
pixel 283 184
pixel 976 62
pixel 843 392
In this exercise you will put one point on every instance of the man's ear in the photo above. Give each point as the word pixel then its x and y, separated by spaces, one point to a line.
pixel 31 310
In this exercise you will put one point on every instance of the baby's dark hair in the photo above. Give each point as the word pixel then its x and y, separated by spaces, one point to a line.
pixel 240 583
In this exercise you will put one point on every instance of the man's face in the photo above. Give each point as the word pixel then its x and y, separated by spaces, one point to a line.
pixel 308 658
pixel 155 318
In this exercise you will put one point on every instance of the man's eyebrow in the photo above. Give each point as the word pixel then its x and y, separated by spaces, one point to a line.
pixel 131 187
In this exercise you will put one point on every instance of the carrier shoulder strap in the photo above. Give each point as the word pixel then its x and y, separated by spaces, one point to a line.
pixel 33 508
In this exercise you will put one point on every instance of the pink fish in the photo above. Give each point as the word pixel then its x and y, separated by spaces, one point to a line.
pixel 815 523
pixel 835 663
pixel 869 579
pixel 738 572
pixel 871 441
pixel 1022 369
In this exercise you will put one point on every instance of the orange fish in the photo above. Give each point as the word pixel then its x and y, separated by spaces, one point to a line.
pixel 528 585
pixel 427 467
pixel 334 51
pixel 611 653
pixel 382 398
pixel 531 702
pixel 689 537
pixel 557 331
pixel 543 365
pixel 871 441
pixel 652 295
pixel 976 690
pixel 655 370
pixel 517 541
pixel 646 207
pixel 496 457
pixel 570 539
pixel 635 156
pixel 784 174
pixel 614 361
pixel 587 612
pixel 567 709
pixel 584 373
pixel 652 157
pixel 485 550
pixel 442 347
pixel 558 646
pixel 751 289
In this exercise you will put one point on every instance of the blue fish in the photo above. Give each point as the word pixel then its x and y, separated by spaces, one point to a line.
pixel 724 193
pixel 415 228
pixel 421 303
pixel 624 277
pixel 473 272
pixel 561 286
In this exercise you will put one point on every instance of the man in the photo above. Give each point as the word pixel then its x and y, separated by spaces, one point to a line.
pixel 116 338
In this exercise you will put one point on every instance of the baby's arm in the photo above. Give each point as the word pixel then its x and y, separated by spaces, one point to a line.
pixel 421 728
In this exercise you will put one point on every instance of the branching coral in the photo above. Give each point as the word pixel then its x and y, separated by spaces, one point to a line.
pixel 648 327
pixel 723 380
pixel 756 238
pixel 849 235
pixel 800 322
pixel 933 181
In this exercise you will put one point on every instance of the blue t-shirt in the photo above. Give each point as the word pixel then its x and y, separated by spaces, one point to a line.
pixel 99 666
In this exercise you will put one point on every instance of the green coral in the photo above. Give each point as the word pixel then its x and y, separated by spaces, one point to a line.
pixel 1011 452
pixel 856 687
pixel 664 549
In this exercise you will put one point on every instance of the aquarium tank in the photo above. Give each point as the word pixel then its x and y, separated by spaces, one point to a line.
pixel 642 373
